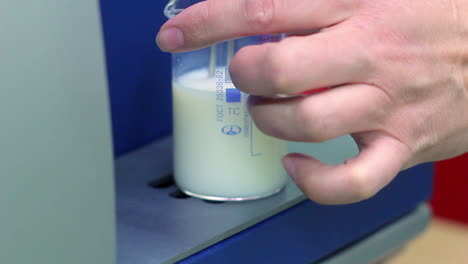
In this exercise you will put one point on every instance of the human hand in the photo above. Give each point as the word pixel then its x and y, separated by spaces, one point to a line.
pixel 398 72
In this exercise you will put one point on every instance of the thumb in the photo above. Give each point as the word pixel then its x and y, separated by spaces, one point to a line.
pixel 380 159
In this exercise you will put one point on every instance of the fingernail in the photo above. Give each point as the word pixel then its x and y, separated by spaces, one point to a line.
pixel 170 39
pixel 290 167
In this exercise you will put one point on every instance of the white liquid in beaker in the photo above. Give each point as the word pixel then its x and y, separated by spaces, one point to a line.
pixel 219 153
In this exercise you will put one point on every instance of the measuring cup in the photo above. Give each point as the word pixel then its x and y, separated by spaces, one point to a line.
pixel 219 154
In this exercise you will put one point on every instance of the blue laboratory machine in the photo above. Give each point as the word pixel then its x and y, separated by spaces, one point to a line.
pixel 86 158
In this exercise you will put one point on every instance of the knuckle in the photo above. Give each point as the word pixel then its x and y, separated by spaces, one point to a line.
pixel 197 21
pixel 259 14
pixel 203 15
pixel 365 56
pixel 314 123
pixel 360 185
pixel 266 124
pixel 365 61
pixel 346 5
pixel 278 70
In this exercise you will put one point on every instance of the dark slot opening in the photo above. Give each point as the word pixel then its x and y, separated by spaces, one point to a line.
pixel 213 202
pixel 163 182
pixel 178 194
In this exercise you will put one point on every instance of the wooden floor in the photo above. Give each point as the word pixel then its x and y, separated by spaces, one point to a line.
pixel 444 242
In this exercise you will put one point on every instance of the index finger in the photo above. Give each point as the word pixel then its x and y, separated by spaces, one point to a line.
pixel 212 21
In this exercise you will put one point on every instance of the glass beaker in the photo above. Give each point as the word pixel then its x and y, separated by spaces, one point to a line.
pixel 219 154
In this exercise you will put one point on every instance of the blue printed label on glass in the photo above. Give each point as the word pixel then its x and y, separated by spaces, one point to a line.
pixel 233 95
pixel 231 130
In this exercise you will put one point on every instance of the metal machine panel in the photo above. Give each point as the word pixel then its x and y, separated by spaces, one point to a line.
pixel 154 227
